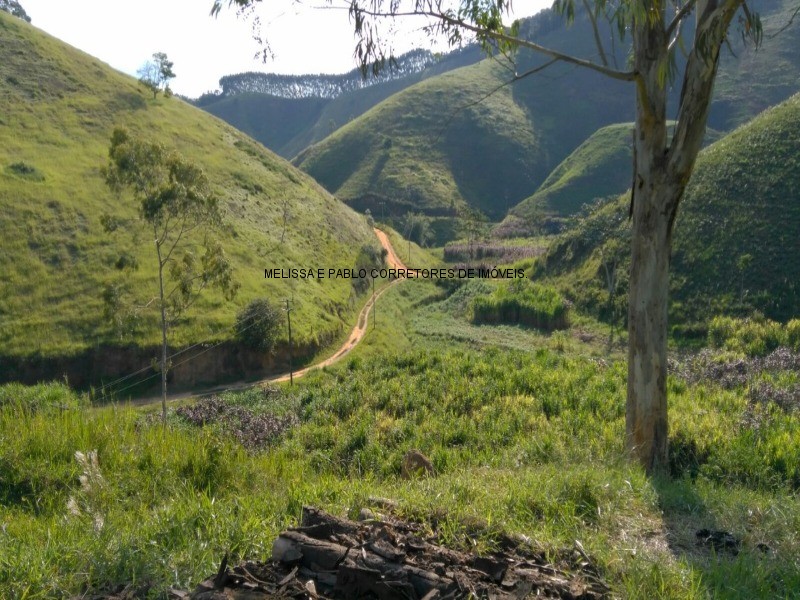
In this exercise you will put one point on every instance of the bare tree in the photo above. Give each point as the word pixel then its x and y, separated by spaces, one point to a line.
pixel 663 161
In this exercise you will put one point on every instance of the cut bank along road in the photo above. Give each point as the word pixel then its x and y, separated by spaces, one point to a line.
pixel 356 335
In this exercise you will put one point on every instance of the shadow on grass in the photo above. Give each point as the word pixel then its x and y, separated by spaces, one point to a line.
pixel 726 561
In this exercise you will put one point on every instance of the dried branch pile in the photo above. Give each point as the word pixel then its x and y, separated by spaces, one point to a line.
pixel 390 559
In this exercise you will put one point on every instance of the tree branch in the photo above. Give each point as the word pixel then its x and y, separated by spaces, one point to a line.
pixel 503 37
pixel 175 244
pixel 701 70
pixel 679 17
pixel 596 31
pixel 787 25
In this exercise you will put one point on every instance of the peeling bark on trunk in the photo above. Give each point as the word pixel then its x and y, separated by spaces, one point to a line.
pixel 646 411
pixel 662 171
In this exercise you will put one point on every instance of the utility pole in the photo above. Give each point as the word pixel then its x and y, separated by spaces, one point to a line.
pixel 374 306
pixel 289 320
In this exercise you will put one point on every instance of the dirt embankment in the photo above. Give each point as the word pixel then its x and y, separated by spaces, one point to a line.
pixel 200 366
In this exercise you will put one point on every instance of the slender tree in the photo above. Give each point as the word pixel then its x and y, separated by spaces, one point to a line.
pixel 156 74
pixel 176 205
pixel 663 160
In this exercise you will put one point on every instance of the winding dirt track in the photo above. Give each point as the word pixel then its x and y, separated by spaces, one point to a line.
pixel 358 333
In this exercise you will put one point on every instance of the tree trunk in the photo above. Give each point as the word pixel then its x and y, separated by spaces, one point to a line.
pixel 163 334
pixel 653 193
pixel 646 411
pixel 662 171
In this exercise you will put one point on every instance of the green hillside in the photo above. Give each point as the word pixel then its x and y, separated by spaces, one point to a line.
pixel 59 109
pixel 288 125
pixel 742 201
pixel 600 166
pixel 772 70
pixel 491 154
pixel 468 138
pixel 273 121
pixel 411 150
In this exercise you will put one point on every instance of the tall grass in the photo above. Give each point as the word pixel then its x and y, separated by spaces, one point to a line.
pixel 525 303
pixel 521 442
pixel 753 336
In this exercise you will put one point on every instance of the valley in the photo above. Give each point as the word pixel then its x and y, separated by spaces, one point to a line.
pixel 171 407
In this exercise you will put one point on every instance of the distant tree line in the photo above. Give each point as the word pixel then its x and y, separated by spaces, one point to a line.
pixel 319 85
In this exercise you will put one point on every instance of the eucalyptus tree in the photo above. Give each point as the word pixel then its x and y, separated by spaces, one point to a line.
pixel 175 204
pixel 663 158
pixel 156 74
pixel 14 8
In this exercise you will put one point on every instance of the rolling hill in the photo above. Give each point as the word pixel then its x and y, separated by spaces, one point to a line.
pixel 600 167
pixel 59 109
pixel 410 150
pixel 465 140
pixel 742 201
pixel 289 113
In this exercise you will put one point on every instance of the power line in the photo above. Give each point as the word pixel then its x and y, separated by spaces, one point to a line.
pixel 141 381
pixel 142 370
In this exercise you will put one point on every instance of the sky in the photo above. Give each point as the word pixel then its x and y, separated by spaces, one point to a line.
pixel 306 36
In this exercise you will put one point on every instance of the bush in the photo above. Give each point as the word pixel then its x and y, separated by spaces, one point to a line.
pixel 793 334
pixel 754 336
pixel 257 325
pixel 525 303
pixel 369 257
pixel 26 171
pixel 39 397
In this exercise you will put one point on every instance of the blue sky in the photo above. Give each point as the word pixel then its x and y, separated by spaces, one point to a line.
pixel 304 39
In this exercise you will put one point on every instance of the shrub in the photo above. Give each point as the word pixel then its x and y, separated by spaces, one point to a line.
pixel 754 336
pixel 525 303
pixel 39 397
pixel 793 334
pixel 460 252
pixel 23 169
pixel 257 325
pixel 369 257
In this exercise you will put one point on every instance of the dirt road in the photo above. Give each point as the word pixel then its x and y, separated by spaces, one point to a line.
pixel 356 335
pixel 360 330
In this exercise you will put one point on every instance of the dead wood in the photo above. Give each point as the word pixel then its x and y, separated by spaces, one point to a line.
pixel 331 558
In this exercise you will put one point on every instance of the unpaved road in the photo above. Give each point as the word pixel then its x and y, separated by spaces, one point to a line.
pixel 358 333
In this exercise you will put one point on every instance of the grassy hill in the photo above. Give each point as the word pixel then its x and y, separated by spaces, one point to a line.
pixel 466 137
pixel 59 109
pixel 493 153
pixel 742 201
pixel 273 121
pixel 409 151
pixel 598 168
pixel 289 125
